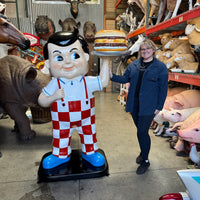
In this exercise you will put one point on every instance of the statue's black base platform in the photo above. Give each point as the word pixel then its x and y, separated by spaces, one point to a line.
pixel 76 168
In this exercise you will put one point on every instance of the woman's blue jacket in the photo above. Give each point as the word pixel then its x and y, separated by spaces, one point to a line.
pixel 153 90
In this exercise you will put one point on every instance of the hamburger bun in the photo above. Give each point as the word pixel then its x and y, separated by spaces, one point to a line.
pixel 110 40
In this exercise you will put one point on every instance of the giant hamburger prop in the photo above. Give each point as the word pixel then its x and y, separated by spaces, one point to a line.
pixel 110 41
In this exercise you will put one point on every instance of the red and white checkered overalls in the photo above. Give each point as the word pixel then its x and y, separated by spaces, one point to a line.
pixel 75 115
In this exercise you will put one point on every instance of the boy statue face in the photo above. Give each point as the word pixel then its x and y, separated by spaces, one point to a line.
pixel 68 61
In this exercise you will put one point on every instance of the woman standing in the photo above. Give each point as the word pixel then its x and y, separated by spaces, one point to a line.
pixel 148 78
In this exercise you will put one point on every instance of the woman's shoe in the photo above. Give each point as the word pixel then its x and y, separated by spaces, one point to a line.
pixel 143 167
pixel 139 159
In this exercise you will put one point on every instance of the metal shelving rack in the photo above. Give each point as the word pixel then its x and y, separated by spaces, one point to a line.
pixel 172 23
pixel 191 79
pixel 168 25
pixel 175 25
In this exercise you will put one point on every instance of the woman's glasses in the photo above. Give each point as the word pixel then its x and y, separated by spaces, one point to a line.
pixel 148 48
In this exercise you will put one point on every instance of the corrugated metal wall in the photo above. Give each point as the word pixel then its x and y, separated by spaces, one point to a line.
pixel 87 12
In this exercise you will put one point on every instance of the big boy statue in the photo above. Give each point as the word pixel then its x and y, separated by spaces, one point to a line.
pixel 70 95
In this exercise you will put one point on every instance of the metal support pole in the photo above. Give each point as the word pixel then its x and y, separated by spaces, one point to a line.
pixel 17 12
pixel 30 16
pixel 147 14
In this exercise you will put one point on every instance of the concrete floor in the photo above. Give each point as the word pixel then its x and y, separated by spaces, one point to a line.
pixel 116 136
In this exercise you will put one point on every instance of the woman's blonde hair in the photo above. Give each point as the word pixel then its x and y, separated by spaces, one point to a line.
pixel 149 43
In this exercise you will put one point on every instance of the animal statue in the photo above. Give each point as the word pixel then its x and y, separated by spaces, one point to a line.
pixel 135 47
pixel 180 60
pixel 154 4
pixel 11 35
pixel 69 24
pixel 44 27
pixel 194 154
pixel 197 3
pixel 123 23
pixel 161 11
pixel 191 133
pixel 20 85
pixel 129 20
pixel 134 16
pixel 118 20
pixel 177 46
pixel 186 66
pixel 175 90
pixel 192 31
pixel 162 55
pixel 175 116
pixel 89 31
pixel 74 6
pixel 173 6
pixel 179 126
pixel 160 123
pixel 183 100
pixel 165 38
pixel 2 8
pixel 132 19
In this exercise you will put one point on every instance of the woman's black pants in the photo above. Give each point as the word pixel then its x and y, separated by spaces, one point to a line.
pixel 143 124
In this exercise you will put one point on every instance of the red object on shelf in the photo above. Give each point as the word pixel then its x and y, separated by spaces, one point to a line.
pixel 195 12
pixel 191 79
pixel 136 32
pixel 174 33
